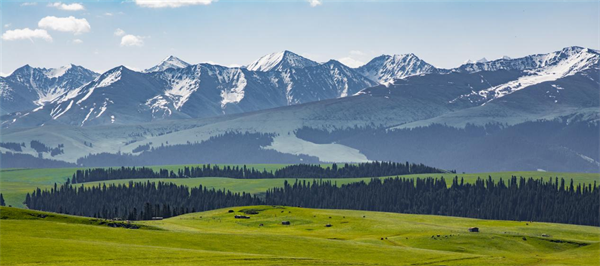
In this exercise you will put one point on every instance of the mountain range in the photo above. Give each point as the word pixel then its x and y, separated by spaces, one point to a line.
pixel 528 109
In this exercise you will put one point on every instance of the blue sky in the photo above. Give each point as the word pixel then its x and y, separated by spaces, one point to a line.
pixel 443 33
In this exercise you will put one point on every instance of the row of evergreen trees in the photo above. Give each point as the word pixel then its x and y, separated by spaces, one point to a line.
pixel 134 201
pixel 371 169
pixel 518 199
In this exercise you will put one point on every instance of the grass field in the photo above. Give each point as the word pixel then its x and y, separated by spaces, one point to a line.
pixel 15 183
pixel 355 238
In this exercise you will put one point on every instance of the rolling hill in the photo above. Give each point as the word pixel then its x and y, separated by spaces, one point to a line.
pixel 216 238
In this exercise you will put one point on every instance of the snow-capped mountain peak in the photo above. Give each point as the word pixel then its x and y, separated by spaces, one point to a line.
pixel 529 63
pixel 536 68
pixel 385 68
pixel 30 87
pixel 167 63
pixel 482 60
pixel 280 61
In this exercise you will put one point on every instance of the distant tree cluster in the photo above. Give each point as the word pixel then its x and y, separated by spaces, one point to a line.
pixel 370 169
pixel 12 146
pixel 41 147
pixel 518 199
pixel 142 148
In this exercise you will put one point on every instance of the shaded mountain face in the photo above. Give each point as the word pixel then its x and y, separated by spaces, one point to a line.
pixel 28 87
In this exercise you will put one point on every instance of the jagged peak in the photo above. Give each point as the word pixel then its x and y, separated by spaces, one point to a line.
pixel 168 63
pixel 280 61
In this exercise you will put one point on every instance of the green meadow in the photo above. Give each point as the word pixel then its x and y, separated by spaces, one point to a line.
pixel 354 238
pixel 16 183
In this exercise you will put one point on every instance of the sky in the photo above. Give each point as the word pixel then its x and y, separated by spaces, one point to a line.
pixel 138 34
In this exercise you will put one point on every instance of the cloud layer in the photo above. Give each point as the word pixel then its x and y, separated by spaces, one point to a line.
pixel 68 24
pixel 26 34
pixel 67 7
pixel 171 3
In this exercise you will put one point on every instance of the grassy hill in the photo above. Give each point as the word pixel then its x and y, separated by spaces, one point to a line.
pixel 354 238
pixel 15 183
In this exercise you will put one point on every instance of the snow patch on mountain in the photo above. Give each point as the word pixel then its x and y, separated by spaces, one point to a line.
pixel 553 66
pixel 168 63
pixel 58 112
pixel 159 104
pixel 110 79
pixel 325 152
pixel 385 68
pixel 236 93
pixel 87 116
pixel 56 72
pixel 280 61
pixel 181 90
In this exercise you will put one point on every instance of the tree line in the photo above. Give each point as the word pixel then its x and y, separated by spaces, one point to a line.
pixel 370 169
pixel 134 201
pixel 517 199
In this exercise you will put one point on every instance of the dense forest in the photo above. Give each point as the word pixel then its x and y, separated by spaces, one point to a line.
pixel 371 169
pixel 135 201
pixel 227 148
pixel 517 199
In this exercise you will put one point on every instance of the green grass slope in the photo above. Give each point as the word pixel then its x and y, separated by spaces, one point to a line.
pixel 355 238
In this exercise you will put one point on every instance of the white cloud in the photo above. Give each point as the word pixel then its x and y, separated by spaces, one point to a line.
pixel 356 52
pixel 132 40
pixel 171 3
pixel 314 3
pixel 67 7
pixel 29 4
pixel 77 41
pixel 7 25
pixel 26 34
pixel 351 62
pixel 108 14
pixel 68 24
pixel 119 32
